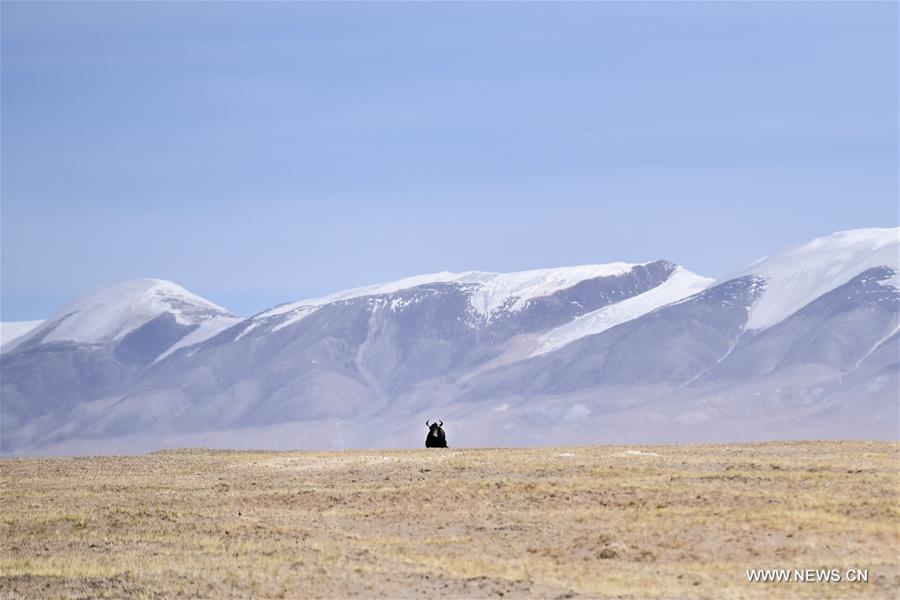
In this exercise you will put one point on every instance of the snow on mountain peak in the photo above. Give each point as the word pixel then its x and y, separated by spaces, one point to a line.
pixel 111 312
pixel 680 284
pixel 512 291
pixel 798 275
pixel 491 291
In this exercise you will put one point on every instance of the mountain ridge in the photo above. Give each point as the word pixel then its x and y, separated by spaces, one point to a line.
pixel 521 358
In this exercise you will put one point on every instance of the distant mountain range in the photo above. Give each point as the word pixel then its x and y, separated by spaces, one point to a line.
pixel 801 344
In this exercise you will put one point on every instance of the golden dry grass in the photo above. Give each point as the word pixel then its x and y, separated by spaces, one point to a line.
pixel 602 521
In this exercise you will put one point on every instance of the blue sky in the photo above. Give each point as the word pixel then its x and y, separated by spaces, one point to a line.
pixel 260 153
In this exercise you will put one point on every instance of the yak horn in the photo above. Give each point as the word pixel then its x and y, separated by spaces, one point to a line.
pixel 426 423
pixel 441 424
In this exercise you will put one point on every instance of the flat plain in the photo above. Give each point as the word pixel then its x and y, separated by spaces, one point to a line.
pixel 679 521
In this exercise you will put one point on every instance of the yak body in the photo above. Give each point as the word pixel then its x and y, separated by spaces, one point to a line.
pixel 436 436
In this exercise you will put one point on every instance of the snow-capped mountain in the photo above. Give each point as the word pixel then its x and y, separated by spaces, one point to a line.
pixel 98 344
pixel 489 294
pixel 791 346
pixel 834 299
pixel 798 275
pixel 151 308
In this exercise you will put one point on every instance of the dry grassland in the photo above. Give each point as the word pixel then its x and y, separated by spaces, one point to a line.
pixel 621 522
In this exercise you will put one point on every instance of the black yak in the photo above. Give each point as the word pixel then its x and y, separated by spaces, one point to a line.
pixel 436 436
